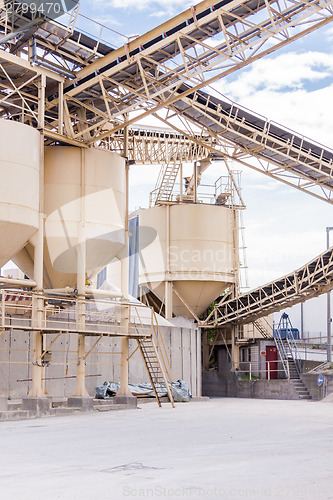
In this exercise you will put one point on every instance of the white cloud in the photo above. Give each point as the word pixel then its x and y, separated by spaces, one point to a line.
pixel 145 4
pixel 287 71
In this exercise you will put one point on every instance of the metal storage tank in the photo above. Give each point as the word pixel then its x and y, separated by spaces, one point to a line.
pixel 85 185
pixel 194 250
pixel 20 148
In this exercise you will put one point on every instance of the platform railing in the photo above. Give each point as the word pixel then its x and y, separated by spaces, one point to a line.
pixel 60 313
pixel 261 370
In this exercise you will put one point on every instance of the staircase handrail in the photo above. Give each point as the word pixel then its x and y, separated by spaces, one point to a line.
pixel 282 352
pixel 294 351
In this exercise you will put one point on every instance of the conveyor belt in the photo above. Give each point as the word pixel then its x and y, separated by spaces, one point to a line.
pixel 256 135
pixel 155 69
pixel 311 280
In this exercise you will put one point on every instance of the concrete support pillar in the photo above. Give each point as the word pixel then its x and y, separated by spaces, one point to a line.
pixel 80 389
pixel 234 350
pixel 125 322
pixel 37 386
pixel 205 351
pixel 168 302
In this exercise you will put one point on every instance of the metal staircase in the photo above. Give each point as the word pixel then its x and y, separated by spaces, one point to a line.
pixel 156 372
pixel 291 361
pixel 166 182
pixel 264 328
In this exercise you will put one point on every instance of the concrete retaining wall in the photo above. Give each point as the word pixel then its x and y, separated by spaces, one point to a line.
pixel 183 345
pixel 216 384
pixel 318 393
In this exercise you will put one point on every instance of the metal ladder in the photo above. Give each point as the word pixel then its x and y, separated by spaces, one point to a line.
pixel 155 369
pixel 167 181
pixel 265 331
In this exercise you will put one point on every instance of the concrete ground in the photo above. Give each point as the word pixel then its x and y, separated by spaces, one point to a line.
pixel 220 449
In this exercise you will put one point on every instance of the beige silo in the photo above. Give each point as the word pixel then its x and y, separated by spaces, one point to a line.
pixel 20 148
pixel 83 200
pixel 194 250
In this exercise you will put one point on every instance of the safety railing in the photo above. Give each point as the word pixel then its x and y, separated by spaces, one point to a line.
pixel 61 313
pixel 282 351
pixel 269 370
pixel 314 349
pixel 220 193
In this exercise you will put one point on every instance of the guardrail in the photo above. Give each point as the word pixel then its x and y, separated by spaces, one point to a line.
pixel 61 312
pixel 256 370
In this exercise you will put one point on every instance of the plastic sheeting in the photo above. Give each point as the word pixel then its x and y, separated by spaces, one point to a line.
pixel 181 392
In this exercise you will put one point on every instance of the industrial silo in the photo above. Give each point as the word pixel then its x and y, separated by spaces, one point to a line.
pixel 194 252
pixel 20 147
pixel 83 200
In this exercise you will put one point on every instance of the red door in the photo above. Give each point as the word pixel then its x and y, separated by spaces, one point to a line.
pixel 271 362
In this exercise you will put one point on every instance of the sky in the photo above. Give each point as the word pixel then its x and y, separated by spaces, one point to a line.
pixel 285 228
pixel 294 87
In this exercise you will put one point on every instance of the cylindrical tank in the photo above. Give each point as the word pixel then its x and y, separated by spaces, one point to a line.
pixel 194 250
pixel 83 201
pixel 19 186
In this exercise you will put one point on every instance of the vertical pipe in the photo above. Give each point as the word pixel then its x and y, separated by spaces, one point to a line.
pixel 329 327
pixel 195 182
pixel 168 283
pixel 41 104
pixel 124 389
pixel 181 182
pixel 61 109
pixel 80 389
pixel 235 349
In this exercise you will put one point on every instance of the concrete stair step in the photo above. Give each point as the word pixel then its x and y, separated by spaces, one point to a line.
pixel 103 402
pixel 14 405
pixel 59 402
pixel 15 415
pixel 56 412
pixel 111 407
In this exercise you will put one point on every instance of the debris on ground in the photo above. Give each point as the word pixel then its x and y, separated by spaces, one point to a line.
pixel 181 392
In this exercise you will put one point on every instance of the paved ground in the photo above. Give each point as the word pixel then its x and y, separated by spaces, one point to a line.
pixel 221 449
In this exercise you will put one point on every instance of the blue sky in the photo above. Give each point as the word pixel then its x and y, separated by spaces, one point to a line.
pixel 294 86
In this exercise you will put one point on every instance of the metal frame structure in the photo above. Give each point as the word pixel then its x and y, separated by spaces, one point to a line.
pixel 103 318
pixel 311 280
pixel 80 90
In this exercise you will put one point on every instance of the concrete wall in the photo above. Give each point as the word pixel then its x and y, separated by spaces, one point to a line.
pixel 318 393
pixel 216 384
pixel 183 345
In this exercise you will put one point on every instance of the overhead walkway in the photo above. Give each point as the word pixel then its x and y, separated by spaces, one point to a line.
pixel 311 280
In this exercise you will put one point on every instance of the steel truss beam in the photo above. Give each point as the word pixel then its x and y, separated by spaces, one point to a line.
pixel 311 280
pixel 150 146
pixel 148 72
pixel 283 170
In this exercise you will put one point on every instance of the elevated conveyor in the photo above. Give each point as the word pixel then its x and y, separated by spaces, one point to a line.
pixel 311 280
pixel 282 153
pixel 199 46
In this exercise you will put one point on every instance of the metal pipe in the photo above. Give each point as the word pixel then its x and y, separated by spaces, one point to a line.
pixel 59 291
pixel 17 282
pixel 105 293
pixel 329 320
